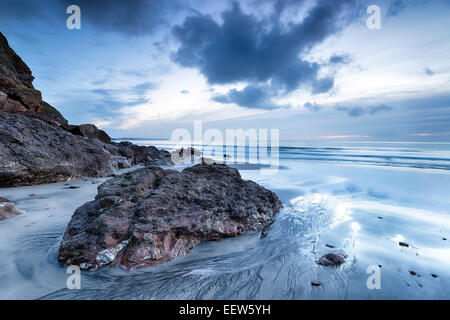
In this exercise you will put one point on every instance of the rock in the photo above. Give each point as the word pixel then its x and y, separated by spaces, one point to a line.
pixel 34 152
pixel 152 215
pixel 141 154
pixel 32 195
pixel 332 259
pixel 329 246
pixel 7 209
pixel 72 187
pixel 413 273
pixel 89 131
pixel 403 244
pixel 315 283
pixel 186 155
pixel 434 275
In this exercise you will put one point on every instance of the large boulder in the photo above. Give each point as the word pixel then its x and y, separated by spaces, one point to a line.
pixel 153 215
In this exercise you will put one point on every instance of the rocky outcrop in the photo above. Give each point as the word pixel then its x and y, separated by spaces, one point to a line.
pixel 153 215
pixel 7 209
pixel 37 145
pixel 35 152
pixel 17 93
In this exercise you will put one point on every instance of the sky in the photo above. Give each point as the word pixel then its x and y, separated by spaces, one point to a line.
pixel 310 68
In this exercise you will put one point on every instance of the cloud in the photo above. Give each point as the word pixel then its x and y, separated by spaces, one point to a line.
pixel 135 17
pixel 110 101
pixel 428 71
pixel 144 87
pixel 314 107
pixel 357 111
pixel 340 59
pixel 396 7
pixel 252 97
pixel 247 49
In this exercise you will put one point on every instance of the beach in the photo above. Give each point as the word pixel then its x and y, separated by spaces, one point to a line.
pixel 359 199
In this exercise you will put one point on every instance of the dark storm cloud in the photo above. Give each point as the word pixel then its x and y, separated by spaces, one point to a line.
pixel 244 48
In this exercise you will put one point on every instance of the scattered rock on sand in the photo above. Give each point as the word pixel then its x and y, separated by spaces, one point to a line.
pixel 7 209
pixel 152 215
pixel 332 259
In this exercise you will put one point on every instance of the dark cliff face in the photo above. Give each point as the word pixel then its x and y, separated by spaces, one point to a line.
pixel 17 93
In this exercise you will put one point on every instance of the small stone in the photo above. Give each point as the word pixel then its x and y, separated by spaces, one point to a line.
pixel 72 187
pixel 329 246
pixel 8 210
pixel 32 195
pixel 445 239
pixel 331 259
pixel 315 283
pixel 413 273
pixel 403 244
pixel 434 275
